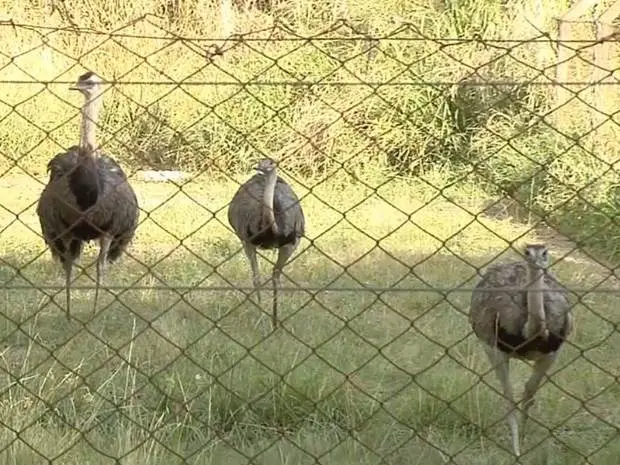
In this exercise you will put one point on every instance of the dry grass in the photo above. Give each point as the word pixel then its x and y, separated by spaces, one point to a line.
pixel 425 113
pixel 178 366
pixel 351 378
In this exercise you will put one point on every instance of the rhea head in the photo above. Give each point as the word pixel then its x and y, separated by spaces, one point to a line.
pixel 537 255
pixel 89 84
pixel 265 166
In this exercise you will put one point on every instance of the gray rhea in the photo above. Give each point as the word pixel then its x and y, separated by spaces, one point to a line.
pixel 265 213
pixel 530 322
pixel 87 197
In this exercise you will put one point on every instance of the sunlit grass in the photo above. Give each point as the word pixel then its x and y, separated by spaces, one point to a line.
pixel 353 376
pixel 179 365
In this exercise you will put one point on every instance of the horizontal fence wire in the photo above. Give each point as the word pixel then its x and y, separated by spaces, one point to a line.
pixel 314 289
pixel 426 191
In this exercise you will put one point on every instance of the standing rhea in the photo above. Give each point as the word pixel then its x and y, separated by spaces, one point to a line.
pixel 87 197
pixel 530 323
pixel 265 213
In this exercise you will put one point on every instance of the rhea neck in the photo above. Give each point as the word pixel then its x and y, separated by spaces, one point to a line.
pixel 88 128
pixel 270 188
pixel 536 320
pixel 84 181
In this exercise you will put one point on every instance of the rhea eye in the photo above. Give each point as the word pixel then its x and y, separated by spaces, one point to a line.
pixel 544 254
pixel 527 252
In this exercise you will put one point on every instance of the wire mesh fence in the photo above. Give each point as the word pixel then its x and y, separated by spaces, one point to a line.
pixel 419 161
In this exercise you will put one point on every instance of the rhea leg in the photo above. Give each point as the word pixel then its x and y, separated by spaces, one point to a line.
pixel 284 253
pixel 71 252
pixel 67 265
pixel 541 366
pixel 501 364
pixel 250 252
pixel 104 248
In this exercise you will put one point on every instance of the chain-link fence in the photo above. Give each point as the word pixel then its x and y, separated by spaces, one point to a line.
pixel 418 161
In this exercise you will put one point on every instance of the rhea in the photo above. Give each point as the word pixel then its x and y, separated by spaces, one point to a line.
pixel 88 197
pixel 530 321
pixel 265 213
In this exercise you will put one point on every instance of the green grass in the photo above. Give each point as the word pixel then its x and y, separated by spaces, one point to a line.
pixel 178 364
pixel 352 377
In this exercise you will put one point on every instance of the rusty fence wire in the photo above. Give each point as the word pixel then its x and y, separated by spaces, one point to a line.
pixel 419 161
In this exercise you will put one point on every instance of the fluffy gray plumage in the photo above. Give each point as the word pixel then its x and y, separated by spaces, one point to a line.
pixel 115 211
pixel 509 309
pixel 245 218
pixel 87 197
pixel 531 321
pixel 265 213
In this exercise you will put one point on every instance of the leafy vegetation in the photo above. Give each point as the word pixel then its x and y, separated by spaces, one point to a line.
pixel 420 156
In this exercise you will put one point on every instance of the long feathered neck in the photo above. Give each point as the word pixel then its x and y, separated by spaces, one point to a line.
pixel 88 127
pixel 270 188
pixel 536 319
pixel 84 180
